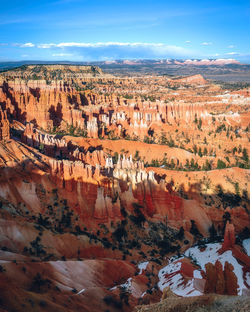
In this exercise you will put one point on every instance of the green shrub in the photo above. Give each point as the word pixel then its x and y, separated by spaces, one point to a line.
pixel 221 164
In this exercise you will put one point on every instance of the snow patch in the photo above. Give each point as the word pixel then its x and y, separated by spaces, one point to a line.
pixel 142 266
pixel 248 278
pixel 143 294
pixel 246 245
pixel 210 254
pixel 127 285
pixel 81 291
pixel 170 275
pixel 197 274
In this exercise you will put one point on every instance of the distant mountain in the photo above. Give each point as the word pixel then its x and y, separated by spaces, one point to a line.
pixel 206 62
pixel 220 62
pixel 52 71
pixel 226 70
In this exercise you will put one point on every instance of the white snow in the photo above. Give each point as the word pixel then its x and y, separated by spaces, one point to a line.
pixel 127 285
pixel 248 278
pixel 81 291
pixel 202 257
pixel 175 281
pixel 113 288
pixel 177 285
pixel 246 245
pixel 197 274
pixel 210 254
pixel 142 266
pixel 170 268
pixel 143 294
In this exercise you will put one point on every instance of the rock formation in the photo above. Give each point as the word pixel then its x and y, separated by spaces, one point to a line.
pixel 196 79
pixel 96 167
pixel 4 125
pixel 229 237
pixel 220 281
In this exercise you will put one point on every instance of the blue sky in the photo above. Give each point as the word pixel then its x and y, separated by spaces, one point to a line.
pixel 81 30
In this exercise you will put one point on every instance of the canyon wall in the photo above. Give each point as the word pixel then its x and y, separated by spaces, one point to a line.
pixel 59 106
pixel 4 125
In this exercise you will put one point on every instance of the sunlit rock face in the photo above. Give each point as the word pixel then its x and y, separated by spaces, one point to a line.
pixel 4 125
pixel 58 104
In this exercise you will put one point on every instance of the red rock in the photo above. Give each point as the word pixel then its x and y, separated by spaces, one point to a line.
pixel 231 284
pixel 4 125
pixel 195 79
pixel 219 281
pixel 211 278
pixel 229 237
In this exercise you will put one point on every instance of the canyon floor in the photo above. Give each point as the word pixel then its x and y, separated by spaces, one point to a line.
pixel 122 193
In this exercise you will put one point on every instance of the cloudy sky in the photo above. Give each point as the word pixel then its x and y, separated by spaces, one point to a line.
pixel 89 30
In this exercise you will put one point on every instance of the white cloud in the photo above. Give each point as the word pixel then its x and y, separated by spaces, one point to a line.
pixel 102 44
pixel 88 51
pixel 78 45
pixel 26 45
pixel 62 54
pixel 206 43
pixel 117 50
pixel 233 53
pixel 231 46
pixel 46 45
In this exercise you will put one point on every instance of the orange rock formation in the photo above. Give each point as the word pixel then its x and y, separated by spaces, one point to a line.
pixel 96 166
pixel 220 281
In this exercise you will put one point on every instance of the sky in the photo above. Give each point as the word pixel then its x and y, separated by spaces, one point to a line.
pixel 94 30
